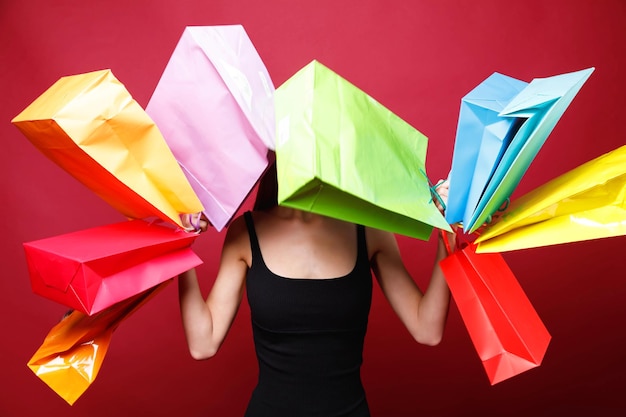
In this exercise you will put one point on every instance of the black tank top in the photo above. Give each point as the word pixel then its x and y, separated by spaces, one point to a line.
pixel 308 336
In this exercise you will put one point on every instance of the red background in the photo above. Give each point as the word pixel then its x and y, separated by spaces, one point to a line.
pixel 416 57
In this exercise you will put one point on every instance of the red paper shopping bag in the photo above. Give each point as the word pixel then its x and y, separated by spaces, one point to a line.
pixel 505 329
pixel 71 355
pixel 92 269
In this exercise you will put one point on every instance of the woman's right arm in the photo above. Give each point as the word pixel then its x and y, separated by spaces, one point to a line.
pixel 207 321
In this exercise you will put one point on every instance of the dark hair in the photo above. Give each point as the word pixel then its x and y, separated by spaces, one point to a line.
pixel 267 191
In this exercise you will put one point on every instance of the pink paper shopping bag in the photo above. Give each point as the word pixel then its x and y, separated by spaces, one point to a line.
pixel 214 105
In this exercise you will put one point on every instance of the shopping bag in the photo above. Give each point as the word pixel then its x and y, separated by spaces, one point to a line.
pixel 214 104
pixel 541 104
pixel 504 327
pixel 92 269
pixel 588 202
pixel 91 127
pixel 71 355
pixel 340 153
pixel 482 136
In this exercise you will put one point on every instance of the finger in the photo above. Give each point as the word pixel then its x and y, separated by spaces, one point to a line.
pixel 443 184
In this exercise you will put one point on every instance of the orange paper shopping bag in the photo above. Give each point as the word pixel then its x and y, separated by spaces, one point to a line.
pixel 90 126
pixel 72 353
pixel 505 329
pixel 92 269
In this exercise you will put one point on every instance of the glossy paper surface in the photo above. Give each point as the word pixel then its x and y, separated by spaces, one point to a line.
pixel 92 269
pixel 541 104
pixel 482 136
pixel 71 355
pixel 506 331
pixel 91 127
pixel 342 154
pixel 588 202
pixel 214 104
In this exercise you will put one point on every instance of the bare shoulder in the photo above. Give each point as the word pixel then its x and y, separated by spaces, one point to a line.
pixel 385 258
pixel 237 240
pixel 380 241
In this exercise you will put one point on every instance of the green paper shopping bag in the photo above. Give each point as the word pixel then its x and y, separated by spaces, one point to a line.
pixel 341 154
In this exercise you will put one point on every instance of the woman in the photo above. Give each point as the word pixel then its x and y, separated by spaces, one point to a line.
pixel 309 287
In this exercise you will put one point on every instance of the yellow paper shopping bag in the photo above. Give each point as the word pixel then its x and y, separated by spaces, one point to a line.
pixel 91 127
pixel 585 203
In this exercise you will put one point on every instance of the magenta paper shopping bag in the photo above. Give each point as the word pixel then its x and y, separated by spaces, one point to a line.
pixel 90 270
pixel 214 105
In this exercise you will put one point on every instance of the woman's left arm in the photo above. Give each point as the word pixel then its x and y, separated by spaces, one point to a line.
pixel 423 313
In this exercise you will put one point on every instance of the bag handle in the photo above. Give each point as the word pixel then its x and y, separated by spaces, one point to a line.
pixel 461 241
pixel 433 188
pixel 446 242
pixel 191 222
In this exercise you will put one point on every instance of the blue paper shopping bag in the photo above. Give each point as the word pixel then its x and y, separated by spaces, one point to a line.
pixel 481 139
pixel 540 105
